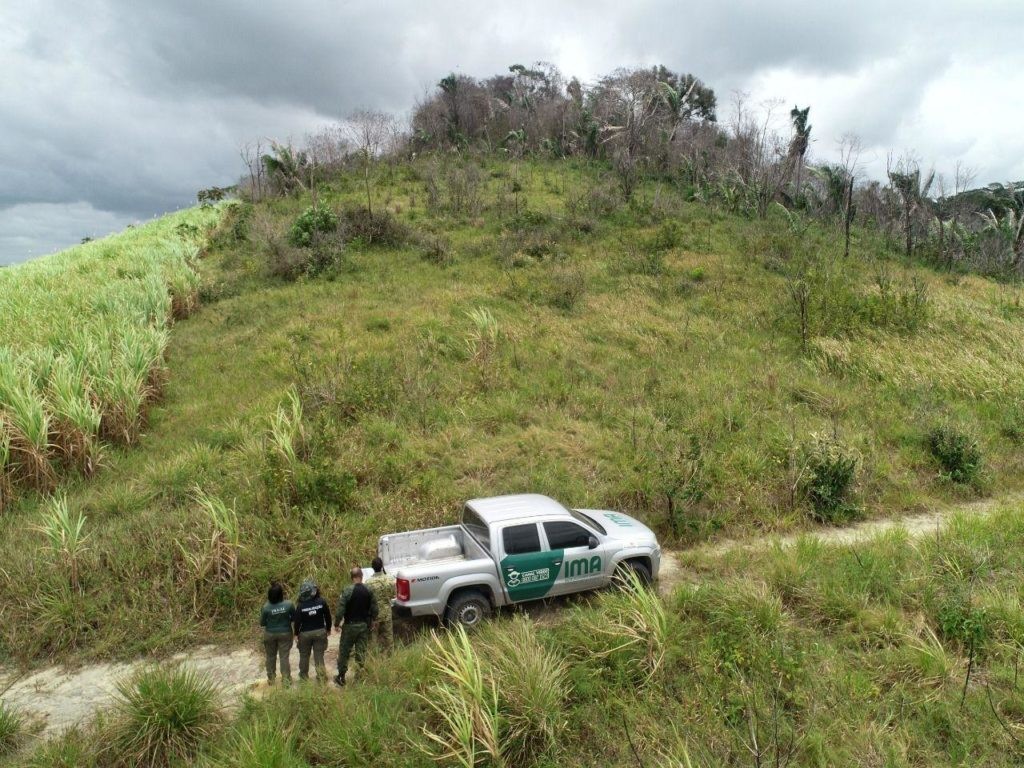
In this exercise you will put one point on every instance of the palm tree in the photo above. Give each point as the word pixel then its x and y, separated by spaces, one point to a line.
pixel 285 168
pixel 450 88
pixel 1010 227
pixel 913 193
pixel 800 141
pixel 839 195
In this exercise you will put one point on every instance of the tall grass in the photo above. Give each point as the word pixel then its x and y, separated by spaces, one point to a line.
pixel 634 626
pixel 66 537
pixel 6 481
pixel 261 743
pixel 11 730
pixel 464 703
pixel 82 342
pixel 286 431
pixel 163 716
pixel 499 702
pixel 216 560
pixel 533 685
pixel 74 748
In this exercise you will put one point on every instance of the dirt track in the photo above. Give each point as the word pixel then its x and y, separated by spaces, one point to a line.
pixel 56 697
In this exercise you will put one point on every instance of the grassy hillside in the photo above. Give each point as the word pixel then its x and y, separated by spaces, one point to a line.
pixel 891 652
pixel 501 327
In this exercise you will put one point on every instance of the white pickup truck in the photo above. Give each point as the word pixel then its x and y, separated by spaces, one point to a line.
pixel 510 549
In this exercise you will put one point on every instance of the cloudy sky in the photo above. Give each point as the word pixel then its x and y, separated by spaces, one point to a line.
pixel 113 111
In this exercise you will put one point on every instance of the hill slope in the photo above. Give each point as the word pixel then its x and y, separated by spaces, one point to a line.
pixel 509 327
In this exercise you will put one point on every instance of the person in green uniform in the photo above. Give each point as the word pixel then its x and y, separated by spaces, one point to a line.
pixel 382 585
pixel 357 610
pixel 276 620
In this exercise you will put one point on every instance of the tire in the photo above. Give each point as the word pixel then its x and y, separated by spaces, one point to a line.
pixel 621 578
pixel 468 609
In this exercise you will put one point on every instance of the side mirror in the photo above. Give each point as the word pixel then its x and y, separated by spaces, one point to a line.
pixel 592 542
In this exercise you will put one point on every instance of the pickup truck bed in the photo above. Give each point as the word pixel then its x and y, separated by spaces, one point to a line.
pixel 428 545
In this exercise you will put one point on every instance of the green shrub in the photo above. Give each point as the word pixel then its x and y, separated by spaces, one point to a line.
pixel 313 222
pixel 72 749
pixel 956 451
pixel 640 261
pixel 630 631
pixel 319 483
pixel 901 307
pixel 1012 423
pixel 598 201
pixel 697 275
pixel 436 250
pixel 668 236
pixel 162 716
pixel 568 287
pixel 963 622
pixel 11 728
pixel 378 228
pixel 830 471
pixel 528 220
pixel 258 744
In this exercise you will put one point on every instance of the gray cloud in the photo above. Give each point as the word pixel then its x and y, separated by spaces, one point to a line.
pixel 118 110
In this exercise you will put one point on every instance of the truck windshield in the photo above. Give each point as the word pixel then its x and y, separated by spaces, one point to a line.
pixel 471 522
pixel 588 520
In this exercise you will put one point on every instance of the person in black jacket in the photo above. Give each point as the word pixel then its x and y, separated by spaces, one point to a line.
pixel 312 622
pixel 358 609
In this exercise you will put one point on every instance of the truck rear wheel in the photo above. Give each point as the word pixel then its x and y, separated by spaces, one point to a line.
pixel 468 609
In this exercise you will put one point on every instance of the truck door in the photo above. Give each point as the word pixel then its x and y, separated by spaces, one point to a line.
pixel 527 570
pixel 582 566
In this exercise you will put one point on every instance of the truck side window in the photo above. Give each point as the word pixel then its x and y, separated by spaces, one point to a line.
pixel 564 535
pixel 472 522
pixel 521 539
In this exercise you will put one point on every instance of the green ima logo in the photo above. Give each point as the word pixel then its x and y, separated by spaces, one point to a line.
pixel 582 567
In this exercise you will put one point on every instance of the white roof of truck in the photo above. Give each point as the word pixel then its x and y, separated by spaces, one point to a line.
pixel 500 508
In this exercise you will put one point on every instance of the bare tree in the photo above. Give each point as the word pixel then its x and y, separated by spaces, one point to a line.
pixel 760 154
pixel 849 160
pixel 328 147
pixel 963 178
pixel 372 133
pixel 252 156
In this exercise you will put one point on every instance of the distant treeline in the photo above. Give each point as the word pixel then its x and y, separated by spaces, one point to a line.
pixel 654 122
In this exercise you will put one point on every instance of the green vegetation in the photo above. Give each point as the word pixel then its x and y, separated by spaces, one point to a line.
pixel 302 416
pixel 892 651
pixel 11 730
pixel 162 717
pixel 82 340
pixel 958 453
pixel 830 472
pixel 545 287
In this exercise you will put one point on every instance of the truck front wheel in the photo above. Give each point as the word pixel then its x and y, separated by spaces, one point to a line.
pixel 625 572
pixel 468 609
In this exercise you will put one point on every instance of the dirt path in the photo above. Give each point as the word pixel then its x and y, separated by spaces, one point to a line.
pixel 56 697
pixel 915 526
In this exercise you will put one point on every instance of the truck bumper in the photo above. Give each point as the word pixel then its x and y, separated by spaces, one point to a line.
pixel 402 611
